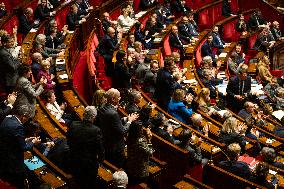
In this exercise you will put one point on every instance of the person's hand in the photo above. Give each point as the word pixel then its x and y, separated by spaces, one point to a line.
pixel 148 135
pixel 12 98
pixel 146 32
pixel 50 144
pixel 15 30
pixel 61 53
pixel 83 20
pixel 36 140
pixel 239 97
pixel 43 81
pixel 132 117
pixel 206 129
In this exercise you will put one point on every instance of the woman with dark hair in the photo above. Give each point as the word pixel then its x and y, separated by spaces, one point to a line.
pixel 26 91
pixel 139 150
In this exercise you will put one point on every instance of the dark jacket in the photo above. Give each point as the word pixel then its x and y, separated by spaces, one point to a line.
pixel 276 33
pixel 41 13
pixel 108 45
pixel 262 42
pixel 226 8
pixel 145 4
pixel 72 20
pixel 121 77
pixel 241 27
pixel 194 153
pixel 255 21
pixel 176 41
pixel 218 41
pixel 24 25
pixel 206 50
pixel 238 168
pixel 233 87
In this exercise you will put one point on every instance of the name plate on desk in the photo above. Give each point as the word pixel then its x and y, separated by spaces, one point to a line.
pixel 60 64
pixel 63 76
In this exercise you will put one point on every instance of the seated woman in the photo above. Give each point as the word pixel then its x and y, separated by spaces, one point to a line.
pixel 231 132
pixel 44 72
pixel 55 109
pixel 177 108
pixel 125 21
pixel 203 102
pixel 263 70
pixel 140 54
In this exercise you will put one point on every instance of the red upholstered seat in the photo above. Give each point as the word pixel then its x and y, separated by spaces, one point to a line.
pixel 276 73
pixel 115 14
pixel 215 13
pixel 136 5
pixel 161 60
pixel 167 48
pixel 60 17
pixel 13 21
pixel 198 56
pixel 235 6
pixel 96 40
pixel 229 32
pixel 203 20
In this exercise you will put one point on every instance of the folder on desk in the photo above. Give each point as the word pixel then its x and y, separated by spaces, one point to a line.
pixel 33 163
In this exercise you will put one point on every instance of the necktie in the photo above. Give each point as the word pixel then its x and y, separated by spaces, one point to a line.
pixel 242 86
pixel 179 39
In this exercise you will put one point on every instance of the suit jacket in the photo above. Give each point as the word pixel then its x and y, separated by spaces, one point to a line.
pixel 255 21
pixel 106 24
pixel 262 42
pixel 234 87
pixel 12 146
pixel 8 68
pixel 132 108
pixel 184 31
pixel 51 42
pixel 112 128
pixel 85 142
pixel 27 92
pixel 238 168
pixel 194 152
pixel 121 76
pixel 217 41
pixel 108 45
pixel 72 20
pixel 241 27
pixel 3 13
pixel 177 7
pixel 153 29
pixel 179 111
pixel 206 50
pixel 276 33
pixel 145 4
pixel 82 11
pixel 41 13
pixel 176 42
pixel 24 25
pixel 141 71
pixel 4 110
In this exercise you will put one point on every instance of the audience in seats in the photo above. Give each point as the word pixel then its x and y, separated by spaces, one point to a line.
pixel 114 128
pixel 36 63
pixel 234 166
pixel 8 64
pixel 25 21
pixel 193 27
pixel 107 46
pixel 124 20
pixel 179 6
pixel 130 40
pixel 139 151
pixel 42 12
pixel 13 145
pixel 218 42
pixel 120 179
pixel 260 176
pixel 60 35
pixel 264 41
pixel 165 84
pixel 146 4
pixel 236 59
pixel 150 78
pixel 51 40
pixel 178 109
pixel 207 48
pixel 241 25
pixel 3 11
pixel 46 51
pixel 121 75
pixel 142 36
pixel 163 129
pixel 140 54
pixel 73 18
pixel 197 123
pixel 204 102
pixel 26 91
pixel 256 20
pixel 239 89
pixel 276 32
pixel 85 141
pixel 191 143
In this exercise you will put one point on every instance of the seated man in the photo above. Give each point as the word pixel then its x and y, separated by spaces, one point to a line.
pixel 234 166
pixel 184 30
pixel 177 41
pixel 251 115
pixel 106 22
pixel 207 48
pixel 152 28
pixel 241 25
pixel 3 11
pixel 60 35
pixel 73 19
pixel 25 23
pixel 256 20
pixel 226 8
pixel 239 89
pixel 264 41
pixel 217 41
pixel 236 59
pixel 133 104
pixel 268 155
pixel 42 12
pixel 193 28
pixel 276 32
pixel 179 6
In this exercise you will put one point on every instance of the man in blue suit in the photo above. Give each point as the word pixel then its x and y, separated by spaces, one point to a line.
pixel 13 144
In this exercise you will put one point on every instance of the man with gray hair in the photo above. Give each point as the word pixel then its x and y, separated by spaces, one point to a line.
pixel 120 179
pixel 13 144
pixel 113 128
pixel 86 149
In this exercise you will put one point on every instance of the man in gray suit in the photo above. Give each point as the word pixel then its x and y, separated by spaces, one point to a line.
pixel 8 65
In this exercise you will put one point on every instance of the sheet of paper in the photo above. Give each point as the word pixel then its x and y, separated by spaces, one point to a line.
pixel 63 76
pixel 278 114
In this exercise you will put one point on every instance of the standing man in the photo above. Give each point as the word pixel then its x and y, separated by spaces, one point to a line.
pixel 13 144
pixel 86 149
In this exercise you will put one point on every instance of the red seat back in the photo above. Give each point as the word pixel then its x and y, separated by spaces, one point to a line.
pixel 203 20
pixel 229 31
pixel 198 56
pixel 167 48
pixel 60 17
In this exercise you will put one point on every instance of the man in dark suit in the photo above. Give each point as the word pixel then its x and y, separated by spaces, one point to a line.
pixel 276 32
pixel 145 4
pixel 8 64
pixel 184 29
pixel 82 10
pixel 7 105
pixel 25 25
pixel 177 41
pixel 42 12
pixel 107 46
pixel 217 40
pixel 179 6
pixel 13 144
pixel 85 141
pixel 264 41
pixel 73 19
pixel 134 100
pixel 113 128
pixel 238 89
pixel 152 27
pixel 165 84
pixel 106 22
pixel 234 166
pixel 206 49
pixel 3 11
pixel 51 40
pixel 256 20
pixel 121 76
pixel 226 8
pixel 193 28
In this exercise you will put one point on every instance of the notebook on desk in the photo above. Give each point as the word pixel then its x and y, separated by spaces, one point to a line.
pixel 33 163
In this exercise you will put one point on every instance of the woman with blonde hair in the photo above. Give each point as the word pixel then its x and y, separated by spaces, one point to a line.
pixel 263 70
pixel 99 99
pixel 203 102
